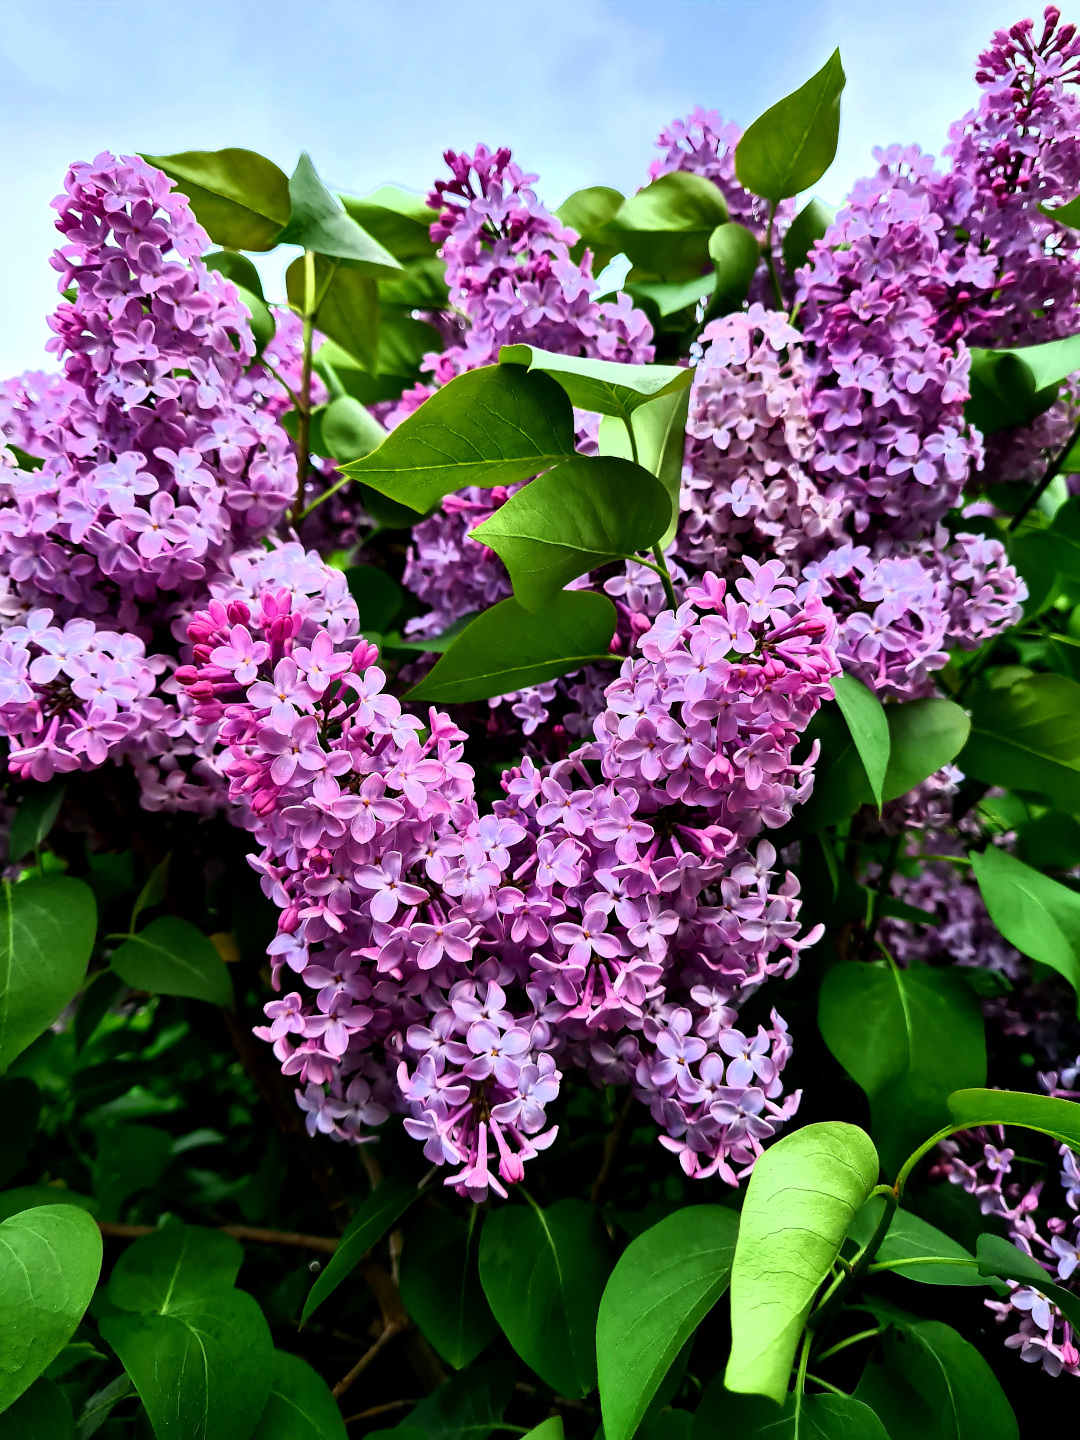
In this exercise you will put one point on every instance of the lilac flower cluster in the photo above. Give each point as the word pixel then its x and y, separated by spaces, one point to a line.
pixel 459 963
pixel 902 606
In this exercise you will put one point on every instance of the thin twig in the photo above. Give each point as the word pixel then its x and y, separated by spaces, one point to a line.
pixel 1051 473
pixel 611 1146
pixel 394 1328
pixel 379 1410
pixel 325 1244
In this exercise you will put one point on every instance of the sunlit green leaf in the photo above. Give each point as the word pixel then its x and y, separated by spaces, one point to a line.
pixel 790 147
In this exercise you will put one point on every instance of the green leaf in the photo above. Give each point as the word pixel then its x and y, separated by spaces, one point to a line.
pixel 665 1283
pixel 173 957
pixel 1026 736
pixel 1067 214
pixel 865 716
pixel 603 386
pixel 317 222
pixel 20 1105
pixel 347 312
pixel 924 735
pixel 672 297
pixel 50 1259
pixel 175 1266
pixel 543 1272
pixel 378 596
pixel 35 816
pixel 736 253
pixel 263 325
pixel 583 513
pixel 203 1369
pixel 506 648
pixel 440 1284
pixel 803 1194
pixel 550 1429
pixel 665 227
pixel 468 1407
pixel 492 426
pixel 400 221
pixel 790 147
pixel 153 893
pixel 349 429
pixel 1049 842
pixel 1038 915
pixel 996 1256
pixel 378 1214
pixel 237 268
pixel 810 224
pixel 1060 1119
pixel 660 432
pixel 908 1038
pixel 752 1417
pixel 130 1158
pixel 956 1396
pixel 301 1406
pixel 30 1197
pixel 421 286
pixel 40 1413
pixel 911 1238
pixel 588 212
pixel 1011 387
pixel 241 199
pixel 100 1405
pixel 47 928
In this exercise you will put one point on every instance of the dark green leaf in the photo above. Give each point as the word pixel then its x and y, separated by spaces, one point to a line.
pixel 790 147
pixel 378 596
pixel 1050 842
pixel 175 1266
pixel 604 386
pixel 1026 736
pixel 909 1038
pixel 588 212
pixel 803 1194
pixel 468 1407
pixel 665 1283
pixel 317 222
pixel 665 227
pixel 35 816
pixel 47 930
pixel 378 1214
pixel 440 1284
pixel 347 312
pixel 173 957
pixel 924 735
pixel 153 893
pixel 543 1272
pixel 752 1417
pixel 865 717
pixel 237 268
pixel 492 426
pixel 912 1238
pixel 660 433
pixel 1038 915
pixel 1060 1119
pixel 241 199
pixel 998 1257
pixel 29 1197
pixel 583 513
pixel 20 1105
pixel 301 1406
pixel 40 1413
pixel 811 223
pixel 1012 387
pixel 506 648
pixel 50 1259
pixel 1067 214
pixel 130 1158
pixel 421 286
pixel 101 1404
pixel 349 429
pixel 671 297
pixel 203 1370
pixel 399 221
pixel 736 253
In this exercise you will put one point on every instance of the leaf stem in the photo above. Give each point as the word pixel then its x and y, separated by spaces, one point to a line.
pixel 800 1378
pixel 881 893
pixel 661 564
pixel 826 1385
pixel 1051 473
pixel 770 262
pixel 303 424
pixel 918 1260
pixel 840 1287
pixel 851 1340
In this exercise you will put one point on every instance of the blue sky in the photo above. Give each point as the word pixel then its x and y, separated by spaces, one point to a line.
pixel 377 89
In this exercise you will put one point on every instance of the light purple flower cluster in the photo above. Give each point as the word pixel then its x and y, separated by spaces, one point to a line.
pixel 748 481
pixel 460 962
pixel 979 1161
pixel 901 607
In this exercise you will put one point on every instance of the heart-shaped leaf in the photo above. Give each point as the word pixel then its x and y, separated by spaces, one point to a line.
pixel 665 227
pixel 173 957
pixel 790 147
pixel 301 1406
pixel 47 928
pixel 240 198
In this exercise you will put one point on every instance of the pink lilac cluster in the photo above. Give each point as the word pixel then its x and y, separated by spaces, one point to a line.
pixel 902 607
pixel 1014 274
pixel 456 964
pixel 980 1162
pixel 748 483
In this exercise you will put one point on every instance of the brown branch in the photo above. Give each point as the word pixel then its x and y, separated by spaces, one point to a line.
pixel 380 1410
pixel 325 1244
pixel 394 1328
pixel 611 1146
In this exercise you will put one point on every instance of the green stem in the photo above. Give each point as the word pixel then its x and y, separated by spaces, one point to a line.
pixel 882 890
pixel 303 423
pixel 952 859
pixel 800 1378
pixel 851 1340
pixel 840 1287
pixel 661 564
pixel 769 261
pixel 924 1149
pixel 629 423
pixel 1052 472
pixel 917 1260
pixel 826 1385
